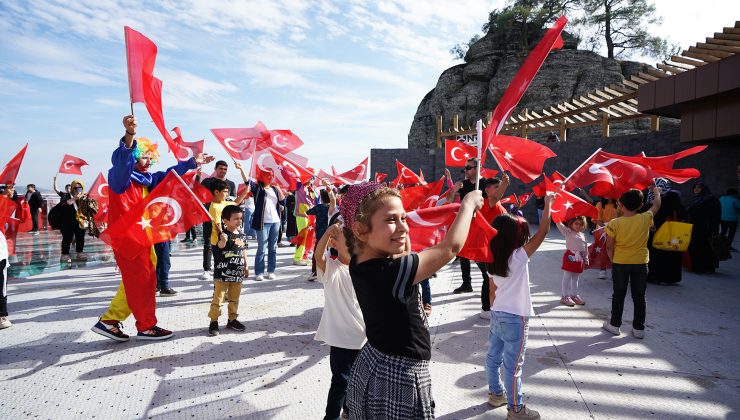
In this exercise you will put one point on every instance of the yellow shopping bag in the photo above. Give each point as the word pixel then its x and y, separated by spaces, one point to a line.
pixel 673 236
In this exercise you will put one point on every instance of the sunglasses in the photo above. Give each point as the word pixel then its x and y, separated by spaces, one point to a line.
pixel 467 168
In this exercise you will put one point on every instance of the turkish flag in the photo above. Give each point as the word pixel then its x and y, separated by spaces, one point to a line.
pixel 524 198
pixel 265 162
pixel 141 54
pixel 457 153
pixel 71 165
pixel 478 243
pixel 523 158
pixel 283 141
pixel 567 206
pixel 239 143
pixel 322 176
pixel 99 189
pixel 428 226
pixel 10 171
pixel 405 175
pixel 522 80
pixel 153 102
pixel 597 255
pixel 203 194
pixel 185 149
pixel 509 200
pixel 356 174
pixel 294 169
pixel 421 196
pixel 610 169
pixel 556 178
pixel 11 227
pixel 166 211
pixel 307 235
pixel 488 173
pixel 379 177
pixel 7 209
pixel 662 166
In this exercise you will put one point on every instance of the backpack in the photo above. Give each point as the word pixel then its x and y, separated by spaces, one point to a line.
pixel 54 216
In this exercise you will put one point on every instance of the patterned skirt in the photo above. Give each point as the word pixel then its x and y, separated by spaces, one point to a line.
pixel 389 387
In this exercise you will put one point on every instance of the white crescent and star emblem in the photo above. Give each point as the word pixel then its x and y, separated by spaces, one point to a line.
pixel 241 147
pixel 68 166
pixel 176 209
pixel 188 155
pixel 279 140
pixel 403 173
pixel 361 171
pixel 452 153
pixel 260 161
pixel 100 189
pixel 291 168
pixel 414 217
pixel 596 168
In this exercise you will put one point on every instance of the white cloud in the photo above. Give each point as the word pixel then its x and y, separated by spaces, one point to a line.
pixel 184 90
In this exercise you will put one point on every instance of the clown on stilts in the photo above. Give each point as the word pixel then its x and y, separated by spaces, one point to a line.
pixel 129 181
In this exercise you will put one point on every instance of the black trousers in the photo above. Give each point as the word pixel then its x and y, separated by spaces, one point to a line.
pixel 728 229
pixel 485 301
pixel 634 275
pixel 207 227
pixel 340 361
pixel 4 287
pixel 35 218
pixel 70 232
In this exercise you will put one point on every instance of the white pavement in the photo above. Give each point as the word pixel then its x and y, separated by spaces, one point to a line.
pixel 53 366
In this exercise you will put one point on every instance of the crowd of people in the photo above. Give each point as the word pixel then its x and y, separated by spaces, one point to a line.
pixel 377 294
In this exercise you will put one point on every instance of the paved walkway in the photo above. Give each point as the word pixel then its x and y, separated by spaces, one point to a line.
pixel 52 366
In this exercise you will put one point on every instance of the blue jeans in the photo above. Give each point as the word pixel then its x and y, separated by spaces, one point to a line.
pixel 267 236
pixel 340 361
pixel 248 230
pixel 426 292
pixel 162 250
pixel 507 342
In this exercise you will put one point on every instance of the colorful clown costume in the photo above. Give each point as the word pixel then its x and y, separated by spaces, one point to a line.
pixel 136 292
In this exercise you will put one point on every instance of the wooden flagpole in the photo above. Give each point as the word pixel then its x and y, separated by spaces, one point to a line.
pixel 479 133
pixel 128 60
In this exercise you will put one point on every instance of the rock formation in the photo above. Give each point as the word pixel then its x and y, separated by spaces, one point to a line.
pixel 472 89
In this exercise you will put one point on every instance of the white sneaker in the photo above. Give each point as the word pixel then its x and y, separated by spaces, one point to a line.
pixel 5 322
pixel 259 277
pixel 602 274
pixel 205 276
pixel 638 333
pixel 610 328
pixel 485 315
pixel 271 276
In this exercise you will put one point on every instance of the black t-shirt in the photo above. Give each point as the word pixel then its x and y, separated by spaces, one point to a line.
pixel 468 187
pixel 229 260
pixel 395 322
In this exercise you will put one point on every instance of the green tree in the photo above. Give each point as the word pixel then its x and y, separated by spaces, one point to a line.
pixel 623 27
pixel 519 24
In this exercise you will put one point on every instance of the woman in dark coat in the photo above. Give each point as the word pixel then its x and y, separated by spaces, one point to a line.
pixel 291 227
pixel 665 266
pixel 704 212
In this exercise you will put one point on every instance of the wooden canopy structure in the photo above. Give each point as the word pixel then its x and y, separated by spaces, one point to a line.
pixel 610 104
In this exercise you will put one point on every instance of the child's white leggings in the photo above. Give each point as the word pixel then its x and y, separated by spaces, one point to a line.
pixel 570 283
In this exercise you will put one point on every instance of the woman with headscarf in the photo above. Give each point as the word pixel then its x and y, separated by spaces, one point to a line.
pixel 665 266
pixel 76 216
pixel 704 212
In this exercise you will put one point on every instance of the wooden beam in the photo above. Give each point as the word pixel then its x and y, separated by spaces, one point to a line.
pixel 605 125
pixel 657 73
pixel 630 83
pixel 563 131
pixel 684 60
pixel 724 42
pixel 712 52
pixel 654 123
pixel 727 48
pixel 439 131
pixel 647 77
pixel 638 80
pixel 731 31
pixel 731 37
pixel 455 123
pixel 705 57
pixel 670 68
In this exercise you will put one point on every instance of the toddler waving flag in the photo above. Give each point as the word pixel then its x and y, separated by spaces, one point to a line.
pixel 71 165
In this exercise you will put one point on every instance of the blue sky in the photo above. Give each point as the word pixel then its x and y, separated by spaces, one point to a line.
pixel 346 76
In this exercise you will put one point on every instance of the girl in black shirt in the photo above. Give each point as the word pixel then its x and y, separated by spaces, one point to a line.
pixel 390 378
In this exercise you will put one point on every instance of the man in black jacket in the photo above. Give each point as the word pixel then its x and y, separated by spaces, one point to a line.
pixel 35 201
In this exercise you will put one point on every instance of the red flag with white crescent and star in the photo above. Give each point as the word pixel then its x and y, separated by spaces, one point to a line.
pixel 597 255
pixel 421 196
pixel 606 168
pixel 186 149
pixel 168 210
pixel 405 175
pixel 509 200
pixel 203 194
pixel 356 174
pixel 457 153
pixel 524 199
pixel 99 192
pixel 71 165
pixel 567 205
pixel 556 178
pixel 379 177
pixel 239 143
pixel 10 171
pixel 524 159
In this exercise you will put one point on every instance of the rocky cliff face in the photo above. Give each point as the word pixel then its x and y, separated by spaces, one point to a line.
pixel 472 89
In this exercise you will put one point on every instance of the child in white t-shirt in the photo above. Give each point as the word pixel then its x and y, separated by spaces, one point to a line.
pixel 511 309
pixel 341 326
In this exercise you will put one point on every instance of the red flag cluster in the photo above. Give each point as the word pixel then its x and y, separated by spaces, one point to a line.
pixel 10 171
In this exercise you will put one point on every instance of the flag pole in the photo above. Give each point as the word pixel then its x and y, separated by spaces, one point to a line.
pixel 579 167
pixel 479 133
pixel 254 153
pixel 128 61
pixel 172 171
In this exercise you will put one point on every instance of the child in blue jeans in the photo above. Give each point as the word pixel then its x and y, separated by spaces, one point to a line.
pixel 511 309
